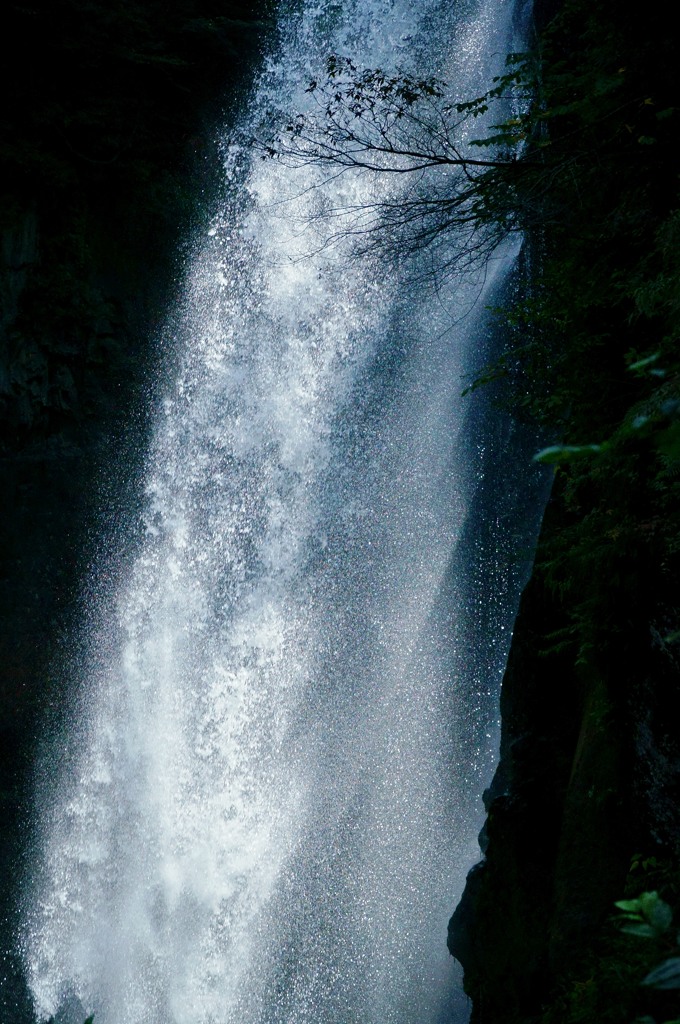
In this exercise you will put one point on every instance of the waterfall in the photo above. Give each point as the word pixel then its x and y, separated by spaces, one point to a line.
pixel 269 797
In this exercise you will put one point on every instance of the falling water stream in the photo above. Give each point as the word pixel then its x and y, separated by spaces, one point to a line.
pixel 271 793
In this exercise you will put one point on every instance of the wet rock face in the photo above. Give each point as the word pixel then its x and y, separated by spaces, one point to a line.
pixel 18 253
pixel 588 776
pixel 499 930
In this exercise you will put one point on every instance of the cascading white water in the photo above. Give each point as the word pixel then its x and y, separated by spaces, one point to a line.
pixel 269 803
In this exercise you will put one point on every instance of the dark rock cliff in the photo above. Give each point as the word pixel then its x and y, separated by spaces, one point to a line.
pixel 587 790
pixel 107 114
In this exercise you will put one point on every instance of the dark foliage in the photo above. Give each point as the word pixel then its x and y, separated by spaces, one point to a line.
pixel 587 790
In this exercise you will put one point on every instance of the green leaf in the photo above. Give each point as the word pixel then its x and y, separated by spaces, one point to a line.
pixel 666 975
pixel 642 364
pixel 648 916
pixel 632 906
pixel 657 912
pixel 642 930
pixel 557 453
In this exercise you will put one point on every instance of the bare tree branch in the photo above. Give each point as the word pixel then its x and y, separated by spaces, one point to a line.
pixel 456 203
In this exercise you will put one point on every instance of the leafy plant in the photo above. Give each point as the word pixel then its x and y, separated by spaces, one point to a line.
pixel 647 916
